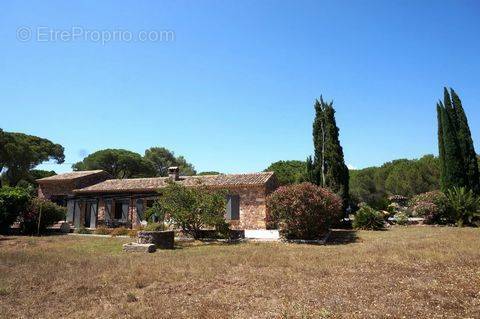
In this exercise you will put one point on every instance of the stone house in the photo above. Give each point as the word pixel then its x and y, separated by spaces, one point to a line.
pixel 93 198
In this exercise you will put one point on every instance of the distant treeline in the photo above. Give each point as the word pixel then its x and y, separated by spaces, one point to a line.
pixel 373 185
pixel 405 177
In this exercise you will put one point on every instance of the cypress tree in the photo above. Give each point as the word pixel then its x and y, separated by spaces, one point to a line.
pixel 328 167
pixel 453 173
pixel 336 177
pixel 450 110
pixel 318 167
pixel 441 146
pixel 467 148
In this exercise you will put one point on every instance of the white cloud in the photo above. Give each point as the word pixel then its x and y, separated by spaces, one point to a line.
pixel 350 166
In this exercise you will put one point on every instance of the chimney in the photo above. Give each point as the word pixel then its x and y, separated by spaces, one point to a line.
pixel 173 173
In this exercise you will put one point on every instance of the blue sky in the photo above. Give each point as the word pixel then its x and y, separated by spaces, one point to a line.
pixel 235 89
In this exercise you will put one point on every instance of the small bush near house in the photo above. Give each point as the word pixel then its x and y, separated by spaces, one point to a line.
pixel 303 211
pixel 155 213
pixel 433 206
pixel 401 219
pixel 13 201
pixel 102 230
pixel 40 214
pixel 155 227
pixel 193 208
pixel 368 219
pixel 465 206
pixel 120 231
pixel 133 233
pixel 83 230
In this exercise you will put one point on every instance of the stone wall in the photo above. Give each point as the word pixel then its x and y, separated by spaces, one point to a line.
pixel 252 208
pixel 49 189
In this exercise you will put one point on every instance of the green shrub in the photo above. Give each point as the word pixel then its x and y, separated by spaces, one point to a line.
pixel 120 231
pixel 303 211
pixel 401 218
pixel 13 201
pixel 433 206
pixel 192 208
pixel 155 212
pixel 102 230
pixel 465 206
pixel 155 227
pixel 83 230
pixel 133 233
pixel 369 219
pixel 223 229
pixel 43 211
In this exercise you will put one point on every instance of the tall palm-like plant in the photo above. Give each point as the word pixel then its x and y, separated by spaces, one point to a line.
pixel 465 205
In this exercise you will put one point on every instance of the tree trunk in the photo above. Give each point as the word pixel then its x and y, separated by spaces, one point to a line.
pixel 322 126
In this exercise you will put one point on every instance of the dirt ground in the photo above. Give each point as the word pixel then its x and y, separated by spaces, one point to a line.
pixel 423 272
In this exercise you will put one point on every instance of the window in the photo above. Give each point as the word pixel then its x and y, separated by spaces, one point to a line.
pixel 233 207
pixel 121 209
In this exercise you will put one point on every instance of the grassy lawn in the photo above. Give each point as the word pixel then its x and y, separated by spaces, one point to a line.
pixel 423 272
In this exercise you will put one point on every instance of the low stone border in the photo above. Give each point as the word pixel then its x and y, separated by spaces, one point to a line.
pixel 97 235
pixel 139 248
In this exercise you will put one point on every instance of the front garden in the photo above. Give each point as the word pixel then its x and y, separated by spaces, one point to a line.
pixel 405 271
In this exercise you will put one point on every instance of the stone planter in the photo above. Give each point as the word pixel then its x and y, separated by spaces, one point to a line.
pixel 161 239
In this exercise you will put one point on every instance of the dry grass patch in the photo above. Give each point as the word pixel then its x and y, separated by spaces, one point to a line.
pixel 413 272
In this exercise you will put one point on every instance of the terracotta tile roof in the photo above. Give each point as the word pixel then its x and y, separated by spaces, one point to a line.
pixel 152 184
pixel 70 176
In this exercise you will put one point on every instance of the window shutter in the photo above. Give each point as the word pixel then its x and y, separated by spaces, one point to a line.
pixel 233 207
pixel 139 204
pixel 76 215
pixel 125 207
pixel 70 210
pixel 93 215
pixel 108 210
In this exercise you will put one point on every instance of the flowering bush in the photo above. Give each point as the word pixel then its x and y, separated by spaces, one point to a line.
pixel 427 210
pixel 368 218
pixel 43 210
pixel 433 206
pixel 303 211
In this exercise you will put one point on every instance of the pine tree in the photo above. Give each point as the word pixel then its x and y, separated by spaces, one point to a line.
pixel 467 148
pixel 328 167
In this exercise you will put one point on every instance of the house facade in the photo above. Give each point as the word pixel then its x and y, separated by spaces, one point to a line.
pixel 94 199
